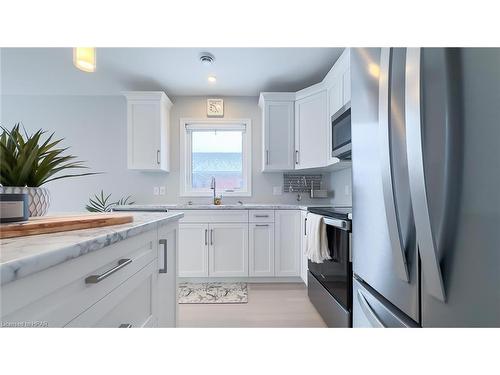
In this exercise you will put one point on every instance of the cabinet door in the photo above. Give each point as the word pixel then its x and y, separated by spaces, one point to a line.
pixel 278 135
pixel 228 249
pixel 167 275
pixel 144 134
pixel 193 250
pixel 261 240
pixel 303 244
pixel 335 95
pixel 346 83
pixel 132 304
pixel 287 243
pixel 311 131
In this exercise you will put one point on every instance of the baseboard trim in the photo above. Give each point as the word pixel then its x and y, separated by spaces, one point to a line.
pixel 294 279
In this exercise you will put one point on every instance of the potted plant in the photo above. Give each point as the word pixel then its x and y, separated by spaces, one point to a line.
pixel 27 163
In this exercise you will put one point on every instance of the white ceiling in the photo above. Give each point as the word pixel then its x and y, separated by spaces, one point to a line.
pixel 177 71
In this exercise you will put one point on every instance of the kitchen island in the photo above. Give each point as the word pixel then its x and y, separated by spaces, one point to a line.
pixel 121 275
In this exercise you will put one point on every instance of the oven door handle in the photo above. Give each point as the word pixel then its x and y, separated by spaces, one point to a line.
pixel 337 223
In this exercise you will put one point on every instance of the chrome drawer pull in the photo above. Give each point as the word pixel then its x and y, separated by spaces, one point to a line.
pixel 165 255
pixel 261 225
pixel 261 215
pixel 125 325
pixel 94 279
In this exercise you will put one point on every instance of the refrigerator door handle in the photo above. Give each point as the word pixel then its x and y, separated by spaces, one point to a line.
pixel 397 246
pixel 368 311
pixel 418 189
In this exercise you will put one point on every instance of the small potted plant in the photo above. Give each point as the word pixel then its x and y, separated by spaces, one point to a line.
pixel 27 163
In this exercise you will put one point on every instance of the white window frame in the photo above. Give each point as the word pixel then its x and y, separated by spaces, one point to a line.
pixel 185 157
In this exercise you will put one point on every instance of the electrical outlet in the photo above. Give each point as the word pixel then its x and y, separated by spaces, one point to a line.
pixel 162 190
pixel 156 190
pixel 277 190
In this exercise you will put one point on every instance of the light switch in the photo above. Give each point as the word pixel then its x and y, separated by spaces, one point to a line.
pixel 156 190
pixel 346 189
pixel 162 190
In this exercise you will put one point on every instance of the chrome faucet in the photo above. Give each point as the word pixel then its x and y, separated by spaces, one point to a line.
pixel 212 187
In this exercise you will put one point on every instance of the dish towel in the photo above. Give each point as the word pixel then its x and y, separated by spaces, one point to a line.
pixel 316 241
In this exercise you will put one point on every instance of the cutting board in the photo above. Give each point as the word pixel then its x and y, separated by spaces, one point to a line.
pixel 53 224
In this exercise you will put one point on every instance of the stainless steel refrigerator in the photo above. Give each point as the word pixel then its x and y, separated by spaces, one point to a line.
pixel 426 187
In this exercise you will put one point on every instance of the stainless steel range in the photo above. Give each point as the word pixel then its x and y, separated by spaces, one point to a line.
pixel 330 282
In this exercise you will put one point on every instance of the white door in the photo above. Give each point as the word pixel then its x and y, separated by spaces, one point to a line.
pixel 278 135
pixel 287 243
pixel 167 275
pixel 346 86
pixel 303 243
pixel 261 240
pixel 335 95
pixel 144 135
pixel 193 250
pixel 311 131
pixel 228 249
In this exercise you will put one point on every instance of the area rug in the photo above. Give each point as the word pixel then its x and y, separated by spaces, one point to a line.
pixel 213 293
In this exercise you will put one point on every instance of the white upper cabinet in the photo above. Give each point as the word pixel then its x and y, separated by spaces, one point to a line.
pixel 277 131
pixel 148 115
pixel 311 129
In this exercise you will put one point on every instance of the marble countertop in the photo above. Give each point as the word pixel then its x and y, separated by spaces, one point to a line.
pixel 246 206
pixel 22 256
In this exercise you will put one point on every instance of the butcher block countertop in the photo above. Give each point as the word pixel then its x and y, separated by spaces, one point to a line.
pixel 22 256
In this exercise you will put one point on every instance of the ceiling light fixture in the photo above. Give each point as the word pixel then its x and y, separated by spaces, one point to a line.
pixel 212 79
pixel 84 58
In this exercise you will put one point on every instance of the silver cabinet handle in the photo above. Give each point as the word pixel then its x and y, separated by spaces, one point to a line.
pixel 125 325
pixel 211 236
pixel 206 237
pixel 369 313
pixel 398 249
pixel 418 189
pixel 94 279
pixel 261 215
pixel 165 251
pixel 267 157
pixel 296 156
pixel 157 156
pixel 261 225
pixel 305 226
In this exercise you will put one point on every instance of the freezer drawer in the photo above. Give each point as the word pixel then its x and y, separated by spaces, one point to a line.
pixel 332 312
pixel 370 311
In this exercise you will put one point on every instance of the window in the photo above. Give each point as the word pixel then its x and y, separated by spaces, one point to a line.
pixel 215 148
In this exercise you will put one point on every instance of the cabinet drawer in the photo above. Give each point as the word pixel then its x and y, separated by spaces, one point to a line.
pixel 60 293
pixel 132 304
pixel 261 216
pixel 213 216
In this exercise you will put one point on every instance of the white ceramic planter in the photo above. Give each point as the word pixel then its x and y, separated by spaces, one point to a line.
pixel 39 198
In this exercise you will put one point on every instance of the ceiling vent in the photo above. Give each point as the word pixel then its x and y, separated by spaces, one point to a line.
pixel 207 58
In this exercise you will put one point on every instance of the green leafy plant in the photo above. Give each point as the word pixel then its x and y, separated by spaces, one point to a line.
pixel 27 161
pixel 102 203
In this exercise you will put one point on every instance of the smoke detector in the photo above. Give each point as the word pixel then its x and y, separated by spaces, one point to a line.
pixel 207 58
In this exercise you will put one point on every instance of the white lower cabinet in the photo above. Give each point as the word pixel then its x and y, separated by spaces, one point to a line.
pixel 303 244
pixel 228 249
pixel 193 250
pixel 167 275
pixel 287 243
pixel 261 243
pixel 133 304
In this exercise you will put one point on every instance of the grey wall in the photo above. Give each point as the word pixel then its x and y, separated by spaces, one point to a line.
pixel 341 185
pixel 95 129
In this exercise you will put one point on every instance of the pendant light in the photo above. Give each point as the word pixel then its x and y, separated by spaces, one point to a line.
pixel 84 58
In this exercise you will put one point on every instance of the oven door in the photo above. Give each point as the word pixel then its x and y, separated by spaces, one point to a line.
pixel 335 275
pixel 341 133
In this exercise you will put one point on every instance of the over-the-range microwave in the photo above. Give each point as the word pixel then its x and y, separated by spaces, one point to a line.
pixel 341 132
